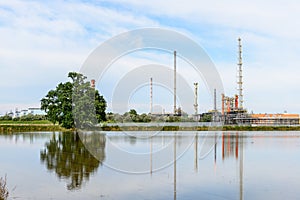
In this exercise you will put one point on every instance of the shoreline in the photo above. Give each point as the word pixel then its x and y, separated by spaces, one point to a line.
pixel 10 128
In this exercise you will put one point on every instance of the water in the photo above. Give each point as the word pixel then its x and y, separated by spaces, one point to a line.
pixel 112 165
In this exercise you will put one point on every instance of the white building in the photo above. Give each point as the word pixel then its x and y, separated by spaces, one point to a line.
pixel 23 113
pixel 36 111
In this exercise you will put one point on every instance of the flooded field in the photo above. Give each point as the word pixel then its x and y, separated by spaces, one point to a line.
pixel 151 165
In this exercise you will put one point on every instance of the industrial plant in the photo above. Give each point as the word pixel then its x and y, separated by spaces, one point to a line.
pixel 232 111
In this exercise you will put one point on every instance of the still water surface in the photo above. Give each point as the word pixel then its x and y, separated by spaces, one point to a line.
pixel 169 165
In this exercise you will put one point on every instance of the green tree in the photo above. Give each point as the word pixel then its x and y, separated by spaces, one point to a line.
pixel 144 118
pixel 100 106
pixel 6 117
pixel 132 112
pixel 206 118
pixel 74 103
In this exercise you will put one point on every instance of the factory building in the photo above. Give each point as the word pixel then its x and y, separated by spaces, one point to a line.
pixel 232 111
pixel 275 119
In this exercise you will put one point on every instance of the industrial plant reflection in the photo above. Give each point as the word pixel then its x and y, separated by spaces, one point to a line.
pixel 70 158
pixel 66 155
pixel 233 146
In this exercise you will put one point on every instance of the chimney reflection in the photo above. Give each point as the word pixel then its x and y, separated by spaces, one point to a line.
pixel 230 146
pixel 236 146
pixel 215 156
pixel 241 167
pixel 175 143
pixel 196 153
pixel 151 155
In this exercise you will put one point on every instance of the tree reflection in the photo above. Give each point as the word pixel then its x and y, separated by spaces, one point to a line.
pixel 68 157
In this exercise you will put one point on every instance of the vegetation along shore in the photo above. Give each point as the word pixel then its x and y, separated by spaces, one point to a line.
pixel 8 127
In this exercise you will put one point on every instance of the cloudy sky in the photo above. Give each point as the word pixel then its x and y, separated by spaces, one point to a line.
pixel 41 41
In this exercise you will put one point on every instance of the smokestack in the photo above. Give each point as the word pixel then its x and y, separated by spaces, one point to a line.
pixel 175 110
pixel 236 102
pixel 215 100
pixel 196 98
pixel 228 105
pixel 223 104
pixel 151 96
pixel 93 83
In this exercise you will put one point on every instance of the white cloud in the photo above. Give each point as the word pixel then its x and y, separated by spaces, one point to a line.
pixel 269 17
pixel 42 41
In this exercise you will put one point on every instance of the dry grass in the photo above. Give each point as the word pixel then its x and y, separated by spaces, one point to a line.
pixel 3 189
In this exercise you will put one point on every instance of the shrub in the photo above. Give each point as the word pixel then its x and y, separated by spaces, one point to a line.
pixel 3 189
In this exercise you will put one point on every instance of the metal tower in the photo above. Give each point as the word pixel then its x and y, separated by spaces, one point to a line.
pixel 240 75
pixel 196 98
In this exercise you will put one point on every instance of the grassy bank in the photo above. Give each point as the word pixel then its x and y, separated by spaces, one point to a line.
pixel 10 128
pixel 44 125
pixel 12 122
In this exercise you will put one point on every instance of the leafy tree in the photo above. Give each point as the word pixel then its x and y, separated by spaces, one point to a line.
pixel 206 118
pixel 6 117
pixel 110 117
pixel 74 103
pixel 100 106
pixel 144 118
pixel 58 105
pixel 132 113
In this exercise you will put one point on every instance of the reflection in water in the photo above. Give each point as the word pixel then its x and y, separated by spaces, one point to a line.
pixel 252 165
pixel 241 167
pixel 232 146
pixel 175 143
pixel 196 153
pixel 151 146
pixel 67 156
pixel 215 155
pixel 24 137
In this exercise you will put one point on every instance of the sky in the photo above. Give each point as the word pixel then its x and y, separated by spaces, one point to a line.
pixel 41 41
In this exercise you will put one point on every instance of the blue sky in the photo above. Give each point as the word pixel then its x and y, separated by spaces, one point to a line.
pixel 41 41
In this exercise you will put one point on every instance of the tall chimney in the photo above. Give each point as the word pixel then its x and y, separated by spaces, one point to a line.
pixel 236 102
pixel 93 83
pixel 175 110
pixel 215 100
pixel 223 104
pixel 151 96
pixel 196 98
